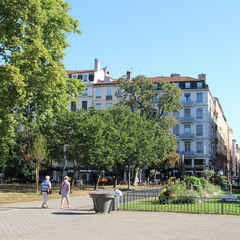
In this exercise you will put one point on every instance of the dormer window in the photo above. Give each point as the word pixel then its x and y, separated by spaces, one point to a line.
pixel 85 77
pixel 199 84
pixel 187 84
pixel 106 79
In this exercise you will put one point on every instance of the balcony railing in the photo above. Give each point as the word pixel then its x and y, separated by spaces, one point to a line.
pixel 109 97
pixel 190 153
pixel 187 103
pixel 187 119
pixel 187 136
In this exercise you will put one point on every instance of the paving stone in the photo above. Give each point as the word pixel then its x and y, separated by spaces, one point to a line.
pixel 28 221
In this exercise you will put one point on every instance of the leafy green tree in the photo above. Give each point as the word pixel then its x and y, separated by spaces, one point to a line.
pixel 158 104
pixel 141 94
pixel 208 173
pixel 33 83
pixel 133 139
pixel 39 154
pixel 16 165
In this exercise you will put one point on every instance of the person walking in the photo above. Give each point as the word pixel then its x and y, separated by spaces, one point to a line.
pixel 65 191
pixel 45 189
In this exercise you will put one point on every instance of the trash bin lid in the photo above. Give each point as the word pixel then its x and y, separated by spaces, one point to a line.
pixel 102 192
pixel 105 193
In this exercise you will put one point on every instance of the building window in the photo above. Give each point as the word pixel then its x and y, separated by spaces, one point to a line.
pixel 119 92
pixel 98 93
pixel 85 77
pixel 74 76
pixel 84 105
pixel 199 97
pixel 187 146
pixel 98 106
pixel 199 147
pixel 199 130
pixel 187 113
pixel 91 77
pixel 85 92
pixel 187 128
pixel 80 76
pixel 199 113
pixel 198 161
pixel 106 79
pixel 108 105
pixel 187 97
pixel 73 107
pixel 199 84
pixel 176 84
pixel 187 85
pixel 176 130
pixel 109 92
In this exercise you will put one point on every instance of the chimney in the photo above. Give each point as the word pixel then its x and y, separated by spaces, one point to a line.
pixel 97 65
pixel 105 71
pixel 202 77
pixel 129 75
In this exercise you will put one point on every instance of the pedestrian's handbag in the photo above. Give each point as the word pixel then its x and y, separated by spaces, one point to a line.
pixel 60 191
pixel 49 191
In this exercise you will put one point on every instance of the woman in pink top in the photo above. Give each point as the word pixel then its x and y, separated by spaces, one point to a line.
pixel 65 191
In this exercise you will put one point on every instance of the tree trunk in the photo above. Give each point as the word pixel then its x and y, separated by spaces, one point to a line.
pixel 36 174
pixel 115 178
pixel 74 175
pixel 155 176
pixel 97 182
pixel 140 176
pixel 135 177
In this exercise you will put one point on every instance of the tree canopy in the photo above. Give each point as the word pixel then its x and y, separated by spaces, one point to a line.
pixel 33 83
pixel 158 103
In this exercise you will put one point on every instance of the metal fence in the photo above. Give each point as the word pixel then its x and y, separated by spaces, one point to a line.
pixel 152 201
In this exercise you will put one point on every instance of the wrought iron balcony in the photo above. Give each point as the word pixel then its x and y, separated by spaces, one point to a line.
pixel 187 103
pixel 187 119
pixel 190 153
pixel 109 97
pixel 187 136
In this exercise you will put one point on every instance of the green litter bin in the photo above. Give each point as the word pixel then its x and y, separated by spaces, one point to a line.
pixel 102 200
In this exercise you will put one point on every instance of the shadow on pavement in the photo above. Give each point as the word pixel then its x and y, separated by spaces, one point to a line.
pixel 73 213
pixel 8 208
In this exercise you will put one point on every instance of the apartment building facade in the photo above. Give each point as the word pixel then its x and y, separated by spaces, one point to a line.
pixel 204 139
pixel 89 77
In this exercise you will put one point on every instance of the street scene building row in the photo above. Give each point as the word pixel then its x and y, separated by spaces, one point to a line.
pixel 204 139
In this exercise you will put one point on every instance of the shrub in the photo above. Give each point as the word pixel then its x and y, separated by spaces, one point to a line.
pixel 204 182
pixel 188 196
pixel 208 173
pixel 219 180
pixel 193 183
pixel 173 179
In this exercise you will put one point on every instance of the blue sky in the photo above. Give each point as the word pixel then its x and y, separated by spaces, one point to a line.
pixel 159 37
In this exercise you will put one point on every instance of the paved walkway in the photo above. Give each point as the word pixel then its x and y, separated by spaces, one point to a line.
pixel 28 221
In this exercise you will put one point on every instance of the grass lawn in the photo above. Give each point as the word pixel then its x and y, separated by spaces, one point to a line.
pixel 12 193
pixel 208 205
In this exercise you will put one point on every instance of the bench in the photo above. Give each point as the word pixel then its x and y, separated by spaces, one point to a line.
pixel 228 198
